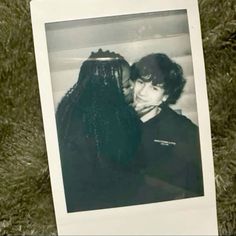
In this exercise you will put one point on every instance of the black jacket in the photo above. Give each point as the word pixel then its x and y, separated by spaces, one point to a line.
pixel 171 157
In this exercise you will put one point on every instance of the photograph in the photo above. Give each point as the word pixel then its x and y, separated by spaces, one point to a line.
pixel 126 118
pixel 126 110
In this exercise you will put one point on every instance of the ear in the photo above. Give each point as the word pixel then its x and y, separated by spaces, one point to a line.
pixel 164 98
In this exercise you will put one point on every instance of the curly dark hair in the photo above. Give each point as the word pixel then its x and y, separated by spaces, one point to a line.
pixel 97 106
pixel 163 71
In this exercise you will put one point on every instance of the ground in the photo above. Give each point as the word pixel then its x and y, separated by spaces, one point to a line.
pixel 25 196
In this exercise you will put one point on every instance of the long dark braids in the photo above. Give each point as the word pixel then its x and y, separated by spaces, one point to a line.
pixel 97 102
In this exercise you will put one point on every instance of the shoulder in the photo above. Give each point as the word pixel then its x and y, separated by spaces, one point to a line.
pixel 173 116
pixel 178 123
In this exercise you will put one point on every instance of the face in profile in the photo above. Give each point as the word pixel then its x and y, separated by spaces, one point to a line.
pixel 127 85
pixel 147 94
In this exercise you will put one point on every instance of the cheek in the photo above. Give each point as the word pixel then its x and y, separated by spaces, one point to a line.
pixel 127 91
pixel 137 88
pixel 158 98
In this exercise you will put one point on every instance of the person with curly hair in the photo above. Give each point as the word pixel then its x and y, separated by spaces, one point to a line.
pixel 170 147
pixel 99 133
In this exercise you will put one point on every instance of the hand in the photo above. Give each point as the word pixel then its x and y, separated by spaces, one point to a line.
pixel 143 108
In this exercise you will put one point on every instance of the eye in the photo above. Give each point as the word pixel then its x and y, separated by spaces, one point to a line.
pixel 140 81
pixel 126 86
pixel 155 88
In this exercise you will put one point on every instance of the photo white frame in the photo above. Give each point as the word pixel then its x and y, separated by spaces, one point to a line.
pixel 193 216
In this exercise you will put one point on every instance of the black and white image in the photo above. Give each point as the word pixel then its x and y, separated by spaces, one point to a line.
pixel 126 111
pixel 126 120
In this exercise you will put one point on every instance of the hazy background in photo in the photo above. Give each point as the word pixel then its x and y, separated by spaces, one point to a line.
pixel 132 36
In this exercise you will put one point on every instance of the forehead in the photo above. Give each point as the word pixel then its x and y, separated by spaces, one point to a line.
pixel 125 68
pixel 125 73
pixel 146 78
pixel 155 80
pixel 149 72
pixel 159 85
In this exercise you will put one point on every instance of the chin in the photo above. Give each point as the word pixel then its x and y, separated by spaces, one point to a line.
pixel 129 99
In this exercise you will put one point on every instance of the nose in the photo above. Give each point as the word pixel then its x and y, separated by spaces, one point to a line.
pixel 143 89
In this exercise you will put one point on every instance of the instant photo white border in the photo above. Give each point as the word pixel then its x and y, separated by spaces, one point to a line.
pixel 193 216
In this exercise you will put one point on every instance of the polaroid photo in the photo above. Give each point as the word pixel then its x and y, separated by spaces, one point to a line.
pixel 125 111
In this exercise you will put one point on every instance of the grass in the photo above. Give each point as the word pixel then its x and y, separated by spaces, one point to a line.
pixel 25 196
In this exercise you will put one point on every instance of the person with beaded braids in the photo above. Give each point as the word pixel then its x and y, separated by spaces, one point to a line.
pixel 170 145
pixel 98 135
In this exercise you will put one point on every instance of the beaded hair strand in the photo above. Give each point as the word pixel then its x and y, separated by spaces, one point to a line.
pixel 98 100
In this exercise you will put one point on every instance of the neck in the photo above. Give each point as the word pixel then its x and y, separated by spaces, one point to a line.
pixel 155 111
